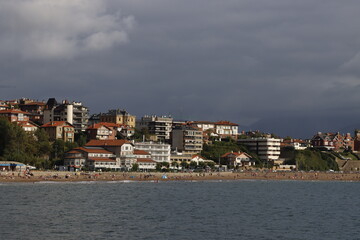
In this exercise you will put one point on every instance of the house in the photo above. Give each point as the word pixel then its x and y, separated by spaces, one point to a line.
pixel 28 127
pixel 332 141
pixel 92 158
pixel 122 149
pixel 101 131
pixel 238 159
pixel 15 115
pixel 59 130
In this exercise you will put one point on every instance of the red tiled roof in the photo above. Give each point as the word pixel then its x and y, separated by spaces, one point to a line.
pixel 94 150
pixel 57 124
pixel 12 111
pixel 226 123
pixel 110 143
pixel 34 103
pixel 149 160
pixel 196 155
pixel 235 153
pixel 140 152
pixel 102 160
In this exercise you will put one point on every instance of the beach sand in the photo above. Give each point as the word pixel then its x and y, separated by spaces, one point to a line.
pixel 38 176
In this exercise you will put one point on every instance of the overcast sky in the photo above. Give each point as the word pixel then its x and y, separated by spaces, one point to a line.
pixel 288 67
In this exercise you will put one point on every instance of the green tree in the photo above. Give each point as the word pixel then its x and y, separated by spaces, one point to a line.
pixel 184 165
pixel 135 167
pixel 80 139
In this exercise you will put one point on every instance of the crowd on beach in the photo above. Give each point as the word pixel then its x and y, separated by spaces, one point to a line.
pixel 36 176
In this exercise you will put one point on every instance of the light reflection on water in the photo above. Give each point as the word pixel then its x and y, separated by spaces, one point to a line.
pixel 180 210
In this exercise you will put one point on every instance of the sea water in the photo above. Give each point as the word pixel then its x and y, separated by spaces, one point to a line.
pixel 181 210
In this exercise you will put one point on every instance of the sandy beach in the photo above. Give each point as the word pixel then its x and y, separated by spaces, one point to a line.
pixel 37 176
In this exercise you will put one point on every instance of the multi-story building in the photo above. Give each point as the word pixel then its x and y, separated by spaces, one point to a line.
pixel 73 112
pixel 332 141
pixel 59 130
pixel 187 139
pixel 35 110
pixel 92 158
pixel 160 126
pixel 160 152
pixel 3 105
pixel 144 160
pixel 119 117
pixel 122 149
pixel 14 115
pixel 267 149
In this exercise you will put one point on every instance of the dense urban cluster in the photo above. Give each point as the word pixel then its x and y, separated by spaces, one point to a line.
pixel 63 135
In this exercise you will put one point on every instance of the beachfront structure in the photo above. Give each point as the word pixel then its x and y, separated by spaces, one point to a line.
pixel 267 149
pixel 59 130
pixel 72 112
pixel 92 158
pixel 187 139
pixel 238 159
pixel 160 152
pixel 178 158
pixel 122 149
pixel 160 126
pixel 144 160
pixel 333 141
pixel 119 117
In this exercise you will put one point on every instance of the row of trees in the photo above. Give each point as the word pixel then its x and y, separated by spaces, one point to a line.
pixel 33 149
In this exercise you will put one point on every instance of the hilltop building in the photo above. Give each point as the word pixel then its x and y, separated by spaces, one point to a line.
pixel 160 126
pixel 333 141
pixel 119 117
pixel 72 112
pixel 219 130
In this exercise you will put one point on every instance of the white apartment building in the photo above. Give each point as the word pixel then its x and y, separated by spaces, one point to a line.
pixel 266 148
pixel 160 152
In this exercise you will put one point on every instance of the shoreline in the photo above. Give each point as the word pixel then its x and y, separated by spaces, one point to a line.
pixel 55 176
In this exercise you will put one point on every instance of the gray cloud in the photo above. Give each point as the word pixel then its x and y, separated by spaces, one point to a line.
pixel 60 29
pixel 281 66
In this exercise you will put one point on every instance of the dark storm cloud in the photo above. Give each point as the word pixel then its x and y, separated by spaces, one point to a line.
pixel 276 65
